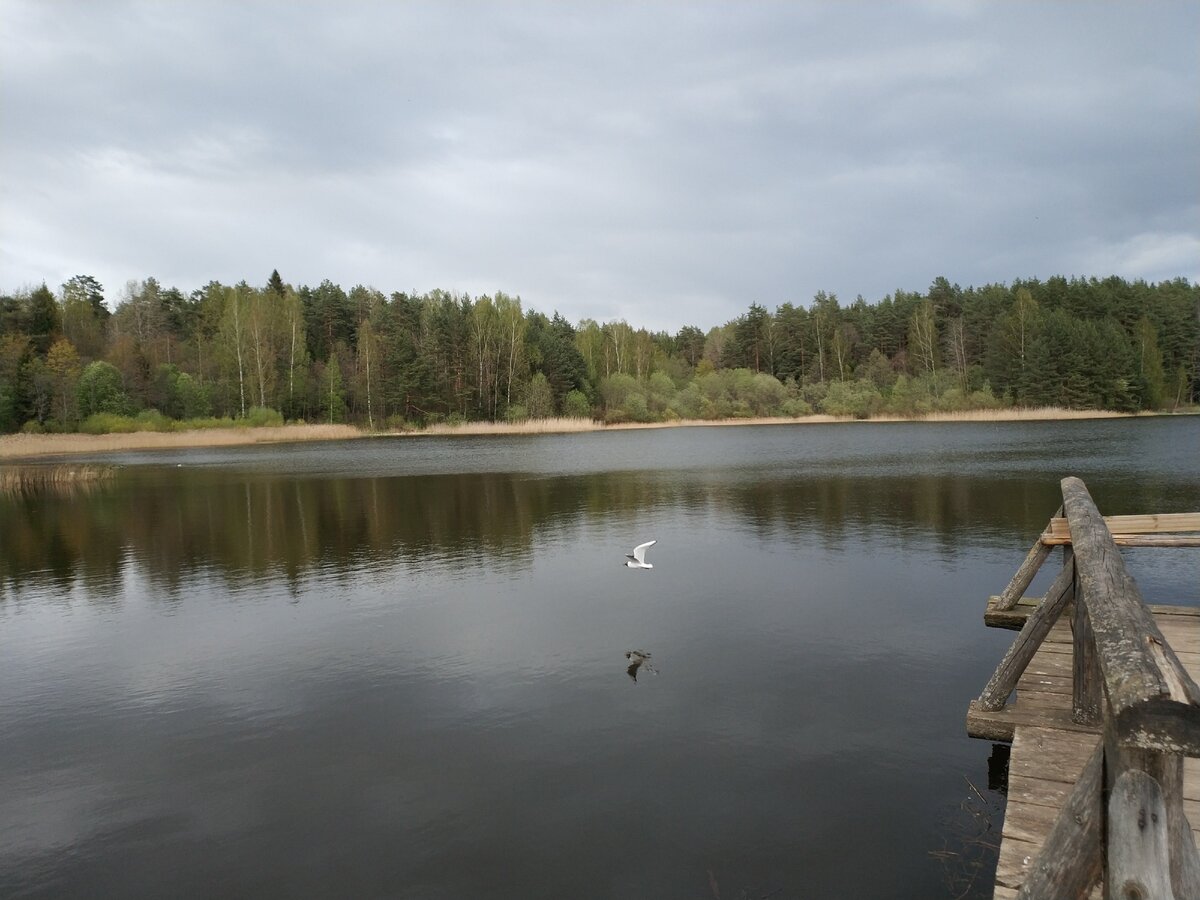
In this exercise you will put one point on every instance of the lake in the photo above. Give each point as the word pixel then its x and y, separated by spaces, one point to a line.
pixel 395 667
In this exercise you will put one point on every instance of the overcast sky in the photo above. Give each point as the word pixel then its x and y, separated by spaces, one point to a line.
pixel 666 163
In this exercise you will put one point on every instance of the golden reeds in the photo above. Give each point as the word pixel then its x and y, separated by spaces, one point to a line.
pixel 14 446
pixel 555 425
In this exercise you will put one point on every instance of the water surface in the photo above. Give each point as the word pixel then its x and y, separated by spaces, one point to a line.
pixel 394 667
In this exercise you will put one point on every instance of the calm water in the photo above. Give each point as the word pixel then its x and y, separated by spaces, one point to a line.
pixel 395 667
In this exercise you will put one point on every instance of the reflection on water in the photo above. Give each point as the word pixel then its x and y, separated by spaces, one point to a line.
pixel 390 668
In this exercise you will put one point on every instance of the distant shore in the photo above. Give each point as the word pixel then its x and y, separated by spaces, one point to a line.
pixel 34 446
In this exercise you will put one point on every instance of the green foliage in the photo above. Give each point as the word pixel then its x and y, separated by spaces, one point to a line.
pixel 324 354
pixel 191 397
pixel 539 397
pixel 262 417
pixel 107 423
pixel 100 390
pixel 576 405
pixel 860 399
pixel 153 420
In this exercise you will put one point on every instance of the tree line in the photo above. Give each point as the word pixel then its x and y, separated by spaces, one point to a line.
pixel 326 354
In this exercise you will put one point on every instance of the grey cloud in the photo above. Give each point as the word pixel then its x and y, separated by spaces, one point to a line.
pixel 669 163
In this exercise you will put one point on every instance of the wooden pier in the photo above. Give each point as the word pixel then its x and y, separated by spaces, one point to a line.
pixel 1098 697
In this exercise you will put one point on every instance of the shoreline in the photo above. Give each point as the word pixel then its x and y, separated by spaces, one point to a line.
pixel 42 446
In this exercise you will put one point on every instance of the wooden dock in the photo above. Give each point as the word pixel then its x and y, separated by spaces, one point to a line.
pixel 1105 721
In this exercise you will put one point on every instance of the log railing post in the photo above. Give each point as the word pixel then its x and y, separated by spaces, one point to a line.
pixel 1151 705
pixel 1138 858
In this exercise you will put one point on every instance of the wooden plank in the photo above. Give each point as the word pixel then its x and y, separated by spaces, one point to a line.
pixel 1154 523
pixel 1037 626
pixel 1153 701
pixel 1039 681
pixel 1033 699
pixel 1050 754
pixel 1014 618
pixel 1000 725
pixel 1037 792
pixel 1014 861
pixel 1031 822
pixel 1070 860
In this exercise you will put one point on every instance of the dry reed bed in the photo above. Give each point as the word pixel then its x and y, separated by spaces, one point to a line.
pixel 564 425
pixel 15 446
pixel 32 446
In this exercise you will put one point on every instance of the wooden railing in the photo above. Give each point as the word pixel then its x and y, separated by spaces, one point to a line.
pixel 1124 820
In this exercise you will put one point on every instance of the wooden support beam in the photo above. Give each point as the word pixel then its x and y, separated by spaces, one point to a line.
pixel 1029 568
pixel 1135 540
pixel 1070 860
pixel 1138 857
pixel 1037 626
pixel 1153 701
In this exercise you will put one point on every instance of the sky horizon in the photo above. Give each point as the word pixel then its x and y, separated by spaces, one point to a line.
pixel 668 164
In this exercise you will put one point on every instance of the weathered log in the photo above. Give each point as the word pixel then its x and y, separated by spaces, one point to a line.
pixel 1024 577
pixel 1153 701
pixel 1138 857
pixel 1037 626
pixel 1086 694
pixel 1167 770
pixel 1070 860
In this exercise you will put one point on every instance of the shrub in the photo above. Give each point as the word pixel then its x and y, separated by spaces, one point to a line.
pixel 107 423
pixel 852 398
pixel 263 417
pixel 152 420
pixel 576 405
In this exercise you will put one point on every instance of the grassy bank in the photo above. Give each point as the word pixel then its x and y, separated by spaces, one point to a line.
pixel 17 446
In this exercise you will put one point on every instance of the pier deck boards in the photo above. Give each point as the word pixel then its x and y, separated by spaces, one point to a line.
pixel 1049 750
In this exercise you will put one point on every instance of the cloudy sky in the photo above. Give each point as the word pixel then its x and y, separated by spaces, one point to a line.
pixel 666 163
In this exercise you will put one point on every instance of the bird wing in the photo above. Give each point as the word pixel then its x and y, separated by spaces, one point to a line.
pixel 639 552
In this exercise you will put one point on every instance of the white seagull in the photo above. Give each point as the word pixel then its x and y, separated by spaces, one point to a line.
pixel 637 559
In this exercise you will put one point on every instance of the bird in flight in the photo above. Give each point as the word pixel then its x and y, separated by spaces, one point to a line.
pixel 637 659
pixel 637 559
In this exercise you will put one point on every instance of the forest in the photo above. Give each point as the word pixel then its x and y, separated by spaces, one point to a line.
pixel 266 354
